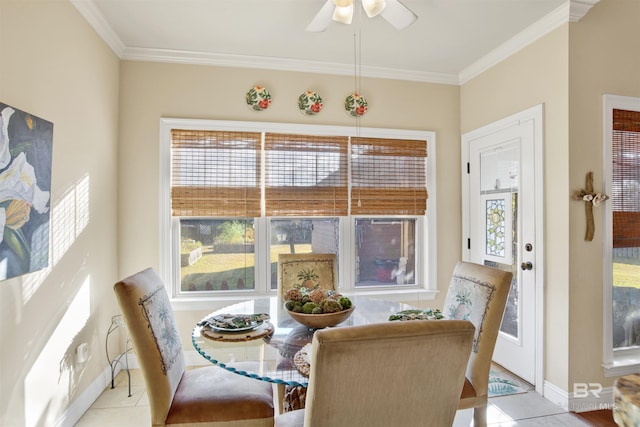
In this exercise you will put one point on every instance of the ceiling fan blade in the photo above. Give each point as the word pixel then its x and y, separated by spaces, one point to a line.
pixel 398 14
pixel 323 18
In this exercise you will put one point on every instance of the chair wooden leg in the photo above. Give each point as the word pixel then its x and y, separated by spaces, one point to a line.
pixel 278 396
pixel 480 416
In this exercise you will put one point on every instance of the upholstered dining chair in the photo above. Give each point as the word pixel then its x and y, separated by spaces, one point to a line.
pixel 385 374
pixel 207 397
pixel 478 293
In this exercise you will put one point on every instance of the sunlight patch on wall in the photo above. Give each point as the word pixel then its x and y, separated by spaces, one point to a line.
pixel 69 217
pixel 53 377
pixel 30 285
pixel 82 205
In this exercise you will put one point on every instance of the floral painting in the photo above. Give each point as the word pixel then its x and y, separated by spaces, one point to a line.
pixel 25 190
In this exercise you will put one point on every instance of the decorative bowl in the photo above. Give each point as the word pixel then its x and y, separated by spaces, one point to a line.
pixel 318 321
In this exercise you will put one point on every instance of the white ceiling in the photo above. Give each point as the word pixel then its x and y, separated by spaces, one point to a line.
pixel 451 41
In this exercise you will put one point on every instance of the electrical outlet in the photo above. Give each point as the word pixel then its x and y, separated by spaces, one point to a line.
pixel 82 353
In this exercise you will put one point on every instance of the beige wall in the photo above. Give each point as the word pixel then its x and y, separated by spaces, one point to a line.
pixel 537 75
pixel 54 66
pixel 150 91
pixel 603 59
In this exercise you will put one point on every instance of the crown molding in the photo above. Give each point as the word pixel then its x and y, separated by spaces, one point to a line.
pixel 529 35
pixel 92 15
pixel 579 8
pixel 571 11
pixel 281 64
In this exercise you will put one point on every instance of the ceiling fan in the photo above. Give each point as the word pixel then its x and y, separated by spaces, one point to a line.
pixel 341 11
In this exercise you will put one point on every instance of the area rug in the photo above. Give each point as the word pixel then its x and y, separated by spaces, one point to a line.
pixel 503 383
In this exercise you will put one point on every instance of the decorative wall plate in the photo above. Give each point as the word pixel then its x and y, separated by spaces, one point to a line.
pixel 356 105
pixel 310 103
pixel 258 98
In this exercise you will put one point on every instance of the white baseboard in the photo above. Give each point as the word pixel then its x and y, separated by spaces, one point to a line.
pixel 556 395
pixel 83 402
pixel 591 399
pixel 595 401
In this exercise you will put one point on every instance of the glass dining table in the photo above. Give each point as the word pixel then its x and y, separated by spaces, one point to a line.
pixel 267 353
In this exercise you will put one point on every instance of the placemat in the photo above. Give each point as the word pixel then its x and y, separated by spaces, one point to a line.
pixel 302 360
pixel 265 329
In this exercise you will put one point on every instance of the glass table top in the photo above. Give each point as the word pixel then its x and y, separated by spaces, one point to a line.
pixel 270 358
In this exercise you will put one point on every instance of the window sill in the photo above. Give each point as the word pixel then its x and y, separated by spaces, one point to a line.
pixel 211 303
pixel 217 302
pixel 399 295
pixel 629 364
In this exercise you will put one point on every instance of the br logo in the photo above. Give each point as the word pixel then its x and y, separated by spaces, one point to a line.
pixel 581 390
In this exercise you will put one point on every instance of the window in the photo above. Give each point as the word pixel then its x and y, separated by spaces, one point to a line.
pixel 385 250
pixel 622 235
pixel 387 177
pixel 238 194
pixel 216 255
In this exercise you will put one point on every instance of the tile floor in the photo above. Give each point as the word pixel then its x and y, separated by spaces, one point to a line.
pixel 115 408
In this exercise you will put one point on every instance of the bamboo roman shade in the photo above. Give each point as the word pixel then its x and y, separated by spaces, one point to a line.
pixel 306 175
pixel 221 174
pixel 215 173
pixel 388 176
pixel 625 200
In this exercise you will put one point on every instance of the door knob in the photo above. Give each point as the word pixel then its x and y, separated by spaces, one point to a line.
pixel 526 265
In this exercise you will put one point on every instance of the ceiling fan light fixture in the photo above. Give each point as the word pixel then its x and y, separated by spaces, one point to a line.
pixel 392 11
pixel 373 7
pixel 344 15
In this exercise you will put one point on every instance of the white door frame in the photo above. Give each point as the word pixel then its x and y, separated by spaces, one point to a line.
pixel 536 114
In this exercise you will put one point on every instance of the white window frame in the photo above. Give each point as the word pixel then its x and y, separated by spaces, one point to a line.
pixel 169 269
pixel 622 361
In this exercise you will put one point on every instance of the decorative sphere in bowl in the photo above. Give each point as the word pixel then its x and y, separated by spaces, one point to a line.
pixel 325 320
